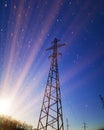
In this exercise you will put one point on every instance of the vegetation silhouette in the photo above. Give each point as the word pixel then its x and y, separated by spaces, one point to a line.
pixel 7 123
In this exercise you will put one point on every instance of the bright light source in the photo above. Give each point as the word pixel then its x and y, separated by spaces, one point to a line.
pixel 4 106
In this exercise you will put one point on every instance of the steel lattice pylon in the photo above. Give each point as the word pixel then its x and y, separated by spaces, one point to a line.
pixel 51 117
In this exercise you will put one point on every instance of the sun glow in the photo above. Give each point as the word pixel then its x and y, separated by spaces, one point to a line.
pixel 4 106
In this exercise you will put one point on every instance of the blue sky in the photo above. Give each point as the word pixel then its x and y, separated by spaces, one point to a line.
pixel 26 30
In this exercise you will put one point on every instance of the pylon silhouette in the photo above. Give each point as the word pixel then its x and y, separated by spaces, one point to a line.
pixel 51 117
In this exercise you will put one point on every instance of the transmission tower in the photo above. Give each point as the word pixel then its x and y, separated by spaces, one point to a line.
pixel 51 117
pixel 84 126
pixel 102 100
pixel 67 124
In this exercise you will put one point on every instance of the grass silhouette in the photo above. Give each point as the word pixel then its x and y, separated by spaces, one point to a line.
pixel 7 123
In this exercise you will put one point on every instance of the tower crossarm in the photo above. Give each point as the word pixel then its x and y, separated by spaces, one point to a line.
pixel 58 45
pixel 54 48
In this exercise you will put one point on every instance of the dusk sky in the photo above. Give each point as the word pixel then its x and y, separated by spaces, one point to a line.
pixel 27 28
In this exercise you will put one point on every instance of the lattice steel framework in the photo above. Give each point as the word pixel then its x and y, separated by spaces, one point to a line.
pixel 51 117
